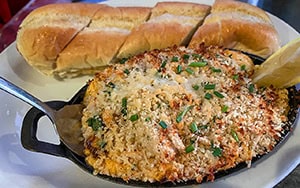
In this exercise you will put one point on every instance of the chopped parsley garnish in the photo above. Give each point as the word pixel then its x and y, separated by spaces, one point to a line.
pixel 102 144
pixel 216 151
pixel 234 135
pixel 209 86
pixel 195 87
pixel 203 127
pixel 189 70
pixel 208 96
pixel 224 109
pixel 197 56
pixel 190 148
pixel 95 122
pixel 193 127
pixel 123 60
pixel 148 119
pixel 134 117
pixel 162 66
pixel 178 69
pixel 251 88
pixel 163 124
pixel 243 67
pixel 215 69
pixel 175 59
pixel 218 94
pixel 182 114
pixel 124 106
pixel 198 64
pixel 186 56
pixel 164 63
pixel 235 77
pixel 126 71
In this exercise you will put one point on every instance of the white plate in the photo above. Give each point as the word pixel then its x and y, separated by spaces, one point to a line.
pixel 22 168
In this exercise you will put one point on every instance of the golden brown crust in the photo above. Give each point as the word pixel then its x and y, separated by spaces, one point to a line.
pixel 120 17
pixel 77 39
pixel 171 23
pixel 180 8
pixel 89 50
pixel 159 145
pixel 232 6
pixel 240 26
pixel 97 44
pixel 153 36
pixel 47 30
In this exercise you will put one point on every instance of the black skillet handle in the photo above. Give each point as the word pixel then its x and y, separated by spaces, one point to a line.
pixel 30 125
pixel 29 132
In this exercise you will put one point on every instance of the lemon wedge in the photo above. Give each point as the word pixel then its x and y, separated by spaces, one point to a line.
pixel 282 69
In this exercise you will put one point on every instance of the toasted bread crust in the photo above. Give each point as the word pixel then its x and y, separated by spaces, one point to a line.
pixel 48 30
pixel 171 23
pixel 75 39
pixel 240 26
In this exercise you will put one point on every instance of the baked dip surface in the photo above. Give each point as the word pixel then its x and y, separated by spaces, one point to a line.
pixel 179 114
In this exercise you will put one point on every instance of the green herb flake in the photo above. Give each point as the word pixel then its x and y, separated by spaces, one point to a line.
pixel 218 94
pixel 178 69
pixel 216 151
pixel 189 148
pixel 251 88
pixel 126 71
pixel 124 106
pixel 182 114
pixel 215 69
pixel 123 60
pixel 134 117
pixel 195 87
pixel 193 127
pixel 174 59
pixel 196 56
pixel 102 144
pixel 164 63
pixel 203 127
pixel 186 56
pixel 224 109
pixel 235 77
pixel 234 135
pixel 163 124
pixel 189 70
pixel 209 86
pixel 243 67
pixel 148 119
pixel 208 96
pixel 95 122
pixel 198 64
pixel 162 66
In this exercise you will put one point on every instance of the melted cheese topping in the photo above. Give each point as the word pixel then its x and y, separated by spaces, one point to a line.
pixel 179 114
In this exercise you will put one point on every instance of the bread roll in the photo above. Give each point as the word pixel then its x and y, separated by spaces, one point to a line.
pixel 171 23
pixel 238 25
pixel 47 30
pixel 68 40
pixel 97 44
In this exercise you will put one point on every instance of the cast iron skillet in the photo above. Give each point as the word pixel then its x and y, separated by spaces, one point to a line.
pixel 30 141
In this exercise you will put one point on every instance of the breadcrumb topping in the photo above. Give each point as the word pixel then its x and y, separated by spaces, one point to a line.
pixel 179 114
